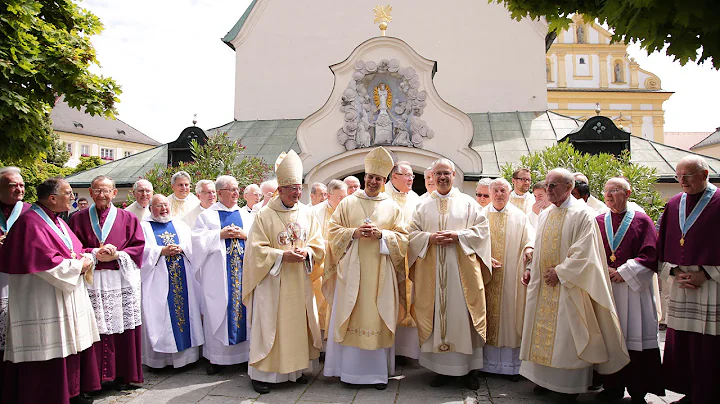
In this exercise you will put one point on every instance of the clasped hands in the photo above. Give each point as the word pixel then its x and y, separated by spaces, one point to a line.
pixel 170 250
pixel 690 280
pixel 444 238
pixel 233 231
pixel 87 262
pixel 295 255
pixel 367 230
pixel 615 276
pixel 107 253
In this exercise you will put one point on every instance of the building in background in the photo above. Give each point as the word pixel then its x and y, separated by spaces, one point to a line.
pixel 709 146
pixel 685 140
pixel 585 73
pixel 86 135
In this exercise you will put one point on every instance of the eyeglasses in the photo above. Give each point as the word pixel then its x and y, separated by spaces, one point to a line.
pixel 552 185
pixel 102 191
pixel 144 191
pixel 685 176
pixel 522 179
pixel 443 173
pixel 68 193
pixel 479 195
pixel 614 191
pixel 161 205
pixel 408 176
pixel 233 190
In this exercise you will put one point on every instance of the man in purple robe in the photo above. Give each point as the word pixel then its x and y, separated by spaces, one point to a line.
pixel 51 326
pixel 630 242
pixel 115 239
pixel 687 251
pixel 12 191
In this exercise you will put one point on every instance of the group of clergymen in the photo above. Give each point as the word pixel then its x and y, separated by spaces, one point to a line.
pixel 551 285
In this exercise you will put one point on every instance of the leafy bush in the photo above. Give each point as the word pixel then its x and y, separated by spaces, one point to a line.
pixel 598 168
pixel 218 156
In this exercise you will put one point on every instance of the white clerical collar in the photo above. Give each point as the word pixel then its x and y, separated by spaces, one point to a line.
pixel 220 206
pixel 449 194
pixel 515 195
pixel 180 199
pixel 491 208
pixel 568 202
pixel 374 198
pixel 392 187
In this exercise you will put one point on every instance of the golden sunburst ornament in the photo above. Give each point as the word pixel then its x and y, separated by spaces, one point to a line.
pixel 382 16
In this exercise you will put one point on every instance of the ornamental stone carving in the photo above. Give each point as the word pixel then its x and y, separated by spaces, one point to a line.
pixel 652 83
pixel 382 105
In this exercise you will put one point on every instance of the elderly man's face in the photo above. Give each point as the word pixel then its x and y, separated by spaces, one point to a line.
pixel 252 197
pixel 160 207
pixel 143 193
pixel 229 194
pixel 616 196
pixel 181 187
pixel 403 179
pixel 558 189
pixel 290 194
pixel 482 195
pixel 336 196
pixel 352 186
pixel 692 180
pixel 430 182
pixel 320 195
pixel 207 195
pixel 500 196
pixel 102 193
pixel 12 188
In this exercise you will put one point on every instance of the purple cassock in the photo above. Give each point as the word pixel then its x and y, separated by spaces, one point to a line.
pixel 30 247
pixel 691 362
pixel 119 355
pixel 644 372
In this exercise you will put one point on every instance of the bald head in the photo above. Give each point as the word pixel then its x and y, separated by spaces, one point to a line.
pixel 560 183
pixel 160 208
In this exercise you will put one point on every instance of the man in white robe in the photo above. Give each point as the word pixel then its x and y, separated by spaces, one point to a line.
pixel 482 192
pixel 218 243
pixel 353 184
pixel 268 189
pixel 429 184
pixel 400 191
pixel 521 196
pixel 539 191
pixel 142 192
pixel 318 193
pixel 512 238
pixel 172 332
pixel 205 189
pixel 570 324
pixel 449 258
pixel 182 200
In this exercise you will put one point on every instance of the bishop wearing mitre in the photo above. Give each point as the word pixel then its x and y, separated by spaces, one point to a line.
pixel 366 260
pixel 449 258
pixel 284 241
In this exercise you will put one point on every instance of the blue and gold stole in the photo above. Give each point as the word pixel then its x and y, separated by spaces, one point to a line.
pixel 234 254
pixel 177 298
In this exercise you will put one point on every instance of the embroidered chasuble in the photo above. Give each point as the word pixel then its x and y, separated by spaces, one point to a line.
pixel 180 207
pixel 510 234
pixel 573 325
pixel 524 202
pixel 360 281
pixel 323 212
pixel 285 335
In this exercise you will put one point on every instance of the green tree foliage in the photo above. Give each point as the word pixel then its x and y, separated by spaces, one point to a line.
pixel 598 168
pixel 87 163
pixel 218 156
pixel 687 27
pixel 35 172
pixel 57 154
pixel 45 52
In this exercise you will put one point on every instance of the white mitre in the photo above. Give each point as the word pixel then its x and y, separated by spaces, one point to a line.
pixel 379 162
pixel 288 169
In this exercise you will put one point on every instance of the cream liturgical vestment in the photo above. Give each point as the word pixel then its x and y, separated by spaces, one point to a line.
pixel 323 212
pixel 139 211
pixel 191 217
pixel 361 282
pixel 172 332
pixel 285 335
pixel 406 337
pixel 180 207
pixel 571 326
pixel 510 234
pixel 524 202
pixel 449 305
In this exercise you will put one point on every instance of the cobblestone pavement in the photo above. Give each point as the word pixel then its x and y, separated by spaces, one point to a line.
pixel 411 385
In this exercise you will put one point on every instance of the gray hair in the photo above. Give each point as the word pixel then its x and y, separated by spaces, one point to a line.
pixel 102 178
pixel 251 188
pixel 484 182
pixel 500 182
pixel 566 175
pixel 351 178
pixel 139 182
pixel 180 174
pixel 50 186
pixel 582 177
pixel 428 171
pixel 334 185
pixel 443 161
pixel 200 184
pixel 224 180
pixel 9 170
pixel 624 183
pixel 699 162
pixel 269 183
pixel 396 167
pixel 314 187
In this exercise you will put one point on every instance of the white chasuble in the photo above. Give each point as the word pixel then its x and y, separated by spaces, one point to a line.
pixel 139 211
pixel 210 255
pixel 449 305
pixel 180 207
pixel 573 326
pixel 361 280
pixel 523 202
pixel 161 283
pixel 285 335
pixel 510 234
pixel 323 212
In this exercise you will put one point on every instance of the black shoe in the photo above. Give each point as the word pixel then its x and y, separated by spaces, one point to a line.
pixel 638 400
pixel 401 360
pixel 302 379
pixel 213 369
pixel 380 386
pixel 439 380
pixel 471 382
pixel 594 387
pixel 260 387
pixel 663 327
pixel 322 356
pixel 120 385
pixel 610 395
pixel 540 390
pixel 83 398
pixel 515 378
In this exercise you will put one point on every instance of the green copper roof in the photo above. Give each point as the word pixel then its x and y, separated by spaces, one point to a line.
pixel 238 25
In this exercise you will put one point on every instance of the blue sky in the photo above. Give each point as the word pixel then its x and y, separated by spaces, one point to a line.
pixel 168 57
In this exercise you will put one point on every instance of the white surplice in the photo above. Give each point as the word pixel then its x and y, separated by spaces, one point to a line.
pixel 636 306
pixel 209 252
pixel 191 217
pixel 159 347
pixel 139 211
